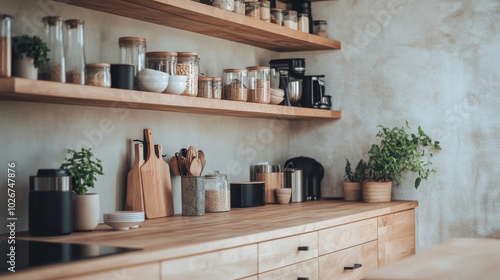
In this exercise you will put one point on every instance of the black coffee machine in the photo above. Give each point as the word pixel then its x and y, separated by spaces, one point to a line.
pixel 313 172
pixel 287 74
pixel 313 93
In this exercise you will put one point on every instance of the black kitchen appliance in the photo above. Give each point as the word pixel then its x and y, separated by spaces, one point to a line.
pixel 312 172
pixel 287 71
pixel 313 93
pixel 247 194
pixel 304 7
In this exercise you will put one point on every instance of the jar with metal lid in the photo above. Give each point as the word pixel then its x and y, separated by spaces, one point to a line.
pixel 252 9
pixel 133 51
pixel 265 11
pixel 320 28
pixel 290 19
pixel 235 84
pixel 54 70
pixel 217 88
pixel 277 16
pixel 98 74
pixel 74 55
pixel 188 65
pixel 217 193
pixel 259 85
pixel 162 61
pixel 303 22
pixel 239 7
pixel 205 87
pixel 5 46
pixel 227 5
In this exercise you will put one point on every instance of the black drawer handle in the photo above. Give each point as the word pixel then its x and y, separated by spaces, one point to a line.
pixel 303 278
pixel 356 266
pixel 303 248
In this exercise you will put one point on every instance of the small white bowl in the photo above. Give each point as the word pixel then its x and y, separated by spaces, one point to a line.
pixel 176 87
pixel 123 225
pixel 276 100
pixel 277 92
pixel 178 78
pixel 151 75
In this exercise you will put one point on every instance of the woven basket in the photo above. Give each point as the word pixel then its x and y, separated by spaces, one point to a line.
pixel 352 191
pixel 376 191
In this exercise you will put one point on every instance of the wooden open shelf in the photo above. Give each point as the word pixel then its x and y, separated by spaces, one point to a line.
pixel 18 89
pixel 204 19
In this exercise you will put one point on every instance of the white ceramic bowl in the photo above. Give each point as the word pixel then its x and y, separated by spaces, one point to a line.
pixel 178 78
pixel 123 225
pixel 176 87
pixel 276 100
pixel 277 92
pixel 152 80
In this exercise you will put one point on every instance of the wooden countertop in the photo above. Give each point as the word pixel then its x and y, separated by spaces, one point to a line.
pixel 460 258
pixel 178 236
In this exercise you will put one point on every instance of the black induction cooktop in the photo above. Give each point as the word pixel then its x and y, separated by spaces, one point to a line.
pixel 29 254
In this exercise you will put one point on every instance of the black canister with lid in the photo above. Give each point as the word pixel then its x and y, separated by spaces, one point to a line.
pixel 50 208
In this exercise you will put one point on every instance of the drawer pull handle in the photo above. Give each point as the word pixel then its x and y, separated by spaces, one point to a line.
pixel 303 248
pixel 303 278
pixel 356 266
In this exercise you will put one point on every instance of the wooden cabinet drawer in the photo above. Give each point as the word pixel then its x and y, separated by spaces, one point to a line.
pixel 341 237
pixel 333 266
pixel 396 236
pixel 286 251
pixel 147 271
pixel 225 264
pixel 305 270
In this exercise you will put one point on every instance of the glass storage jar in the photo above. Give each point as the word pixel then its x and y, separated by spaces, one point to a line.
pixel 162 61
pixel 239 7
pixel 303 22
pixel 259 85
pixel 265 11
pixel 320 28
pixel 98 74
pixel 217 88
pixel 290 19
pixel 252 9
pixel 5 46
pixel 235 84
pixel 54 69
pixel 205 87
pixel 217 193
pixel 188 65
pixel 277 16
pixel 133 51
pixel 74 54
pixel 227 5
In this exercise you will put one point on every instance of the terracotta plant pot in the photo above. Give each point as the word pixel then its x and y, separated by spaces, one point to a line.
pixel 86 212
pixel 376 191
pixel 352 191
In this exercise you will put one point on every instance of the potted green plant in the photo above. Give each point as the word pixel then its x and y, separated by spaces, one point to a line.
pixel 83 169
pixel 397 152
pixel 352 186
pixel 29 54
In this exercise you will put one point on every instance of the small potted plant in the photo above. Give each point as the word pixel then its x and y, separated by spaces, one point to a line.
pixel 83 169
pixel 352 186
pixel 397 152
pixel 29 54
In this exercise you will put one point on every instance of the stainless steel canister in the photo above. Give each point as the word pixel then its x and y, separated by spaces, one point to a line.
pixel 262 167
pixel 293 178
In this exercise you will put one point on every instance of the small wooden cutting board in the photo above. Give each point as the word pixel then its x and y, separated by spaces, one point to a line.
pixel 165 182
pixel 135 198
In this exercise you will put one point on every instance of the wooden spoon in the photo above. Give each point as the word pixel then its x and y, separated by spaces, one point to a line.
pixel 201 157
pixel 195 167
pixel 191 153
pixel 174 166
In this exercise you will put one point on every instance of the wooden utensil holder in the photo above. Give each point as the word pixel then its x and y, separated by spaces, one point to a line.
pixel 273 181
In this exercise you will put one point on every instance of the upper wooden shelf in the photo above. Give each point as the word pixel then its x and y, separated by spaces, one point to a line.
pixel 204 19
pixel 18 89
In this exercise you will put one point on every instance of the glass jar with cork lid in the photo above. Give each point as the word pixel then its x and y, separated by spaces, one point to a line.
pixel 205 87
pixel 133 51
pixel 188 65
pixel 74 52
pixel 162 61
pixel 217 193
pixel 235 84
pixel 5 46
pixel 54 69
pixel 259 86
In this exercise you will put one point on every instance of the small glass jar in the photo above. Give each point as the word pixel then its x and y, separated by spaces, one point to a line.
pixel 98 74
pixel 74 54
pixel 303 22
pixel 217 193
pixel 227 5
pixel 259 85
pixel 162 61
pixel 265 11
pixel 188 65
pixel 205 87
pixel 235 84
pixel 217 88
pixel 5 46
pixel 252 9
pixel 290 19
pixel 277 16
pixel 133 51
pixel 54 69
pixel 239 7
pixel 320 28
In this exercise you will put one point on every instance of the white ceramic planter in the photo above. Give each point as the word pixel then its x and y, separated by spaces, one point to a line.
pixel 86 212
pixel 24 68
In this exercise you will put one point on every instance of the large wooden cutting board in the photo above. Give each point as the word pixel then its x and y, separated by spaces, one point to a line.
pixel 155 202
pixel 165 182
pixel 135 198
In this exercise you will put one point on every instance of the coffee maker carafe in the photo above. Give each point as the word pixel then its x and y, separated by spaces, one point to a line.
pixel 287 74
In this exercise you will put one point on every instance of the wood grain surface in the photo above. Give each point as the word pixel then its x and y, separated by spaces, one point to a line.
pixel 273 182
pixel 341 237
pixel 135 198
pixel 396 237
pixel 150 271
pixel 307 269
pixel 164 180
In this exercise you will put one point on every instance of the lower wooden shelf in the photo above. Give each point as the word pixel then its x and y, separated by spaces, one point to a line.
pixel 18 89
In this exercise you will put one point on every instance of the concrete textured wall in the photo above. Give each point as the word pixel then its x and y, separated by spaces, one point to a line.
pixel 433 63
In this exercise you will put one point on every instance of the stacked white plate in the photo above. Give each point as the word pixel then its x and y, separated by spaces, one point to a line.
pixel 124 220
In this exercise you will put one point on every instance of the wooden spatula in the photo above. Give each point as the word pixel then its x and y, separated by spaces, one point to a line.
pixel 165 182
pixel 135 198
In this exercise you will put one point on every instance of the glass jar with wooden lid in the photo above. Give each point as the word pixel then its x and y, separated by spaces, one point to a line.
pixel 54 70
pixel 205 87
pixel 98 74
pixel 277 16
pixel 259 85
pixel 252 9
pixel 290 19
pixel 217 88
pixel 162 61
pixel 133 51
pixel 235 84
pixel 188 65
pixel 265 11
pixel 5 46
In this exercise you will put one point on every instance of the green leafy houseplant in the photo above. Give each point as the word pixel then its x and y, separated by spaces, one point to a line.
pixel 83 169
pixel 359 174
pixel 399 151
pixel 31 47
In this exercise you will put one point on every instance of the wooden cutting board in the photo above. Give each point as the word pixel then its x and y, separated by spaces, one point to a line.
pixel 165 182
pixel 135 199
pixel 155 202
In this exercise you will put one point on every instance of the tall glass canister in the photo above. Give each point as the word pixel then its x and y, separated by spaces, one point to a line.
pixel 54 70
pixel 259 85
pixel 74 53
pixel 188 65
pixel 5 47
pixel 133 51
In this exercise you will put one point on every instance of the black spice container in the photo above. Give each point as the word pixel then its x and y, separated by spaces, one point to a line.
pixel 247 194
pixel 50 208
